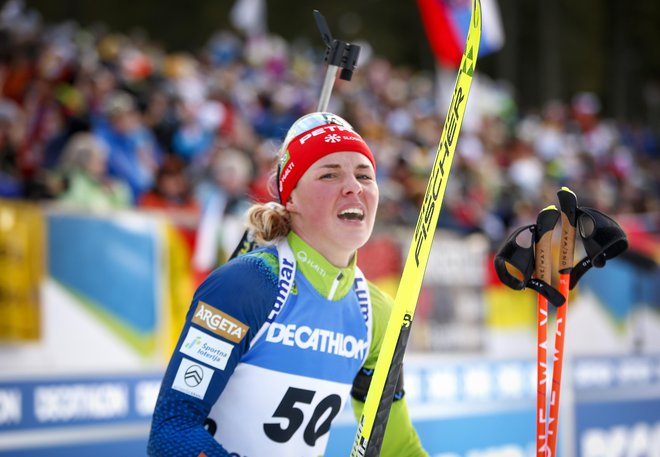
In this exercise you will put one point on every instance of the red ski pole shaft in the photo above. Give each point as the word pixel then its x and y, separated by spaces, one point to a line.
pixel 541 375
pixel 545 223
pixel 568 204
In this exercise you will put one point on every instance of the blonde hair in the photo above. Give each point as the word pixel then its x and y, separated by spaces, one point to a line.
pixel 268 222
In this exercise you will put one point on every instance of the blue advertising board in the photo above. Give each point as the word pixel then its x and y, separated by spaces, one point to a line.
pixel 469 408
pixel 617 406
pixel 99 259
pixel 460 409
pixel 100 416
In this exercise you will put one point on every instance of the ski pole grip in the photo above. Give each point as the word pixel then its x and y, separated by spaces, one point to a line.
pixel 545 224
pixel 515 257
pixel 602 238
pixel 515 262
pixel 568 205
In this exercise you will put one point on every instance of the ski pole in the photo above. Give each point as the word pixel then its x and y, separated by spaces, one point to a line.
pixel 371 427
pixel 568 205
pixel 603 239
pixel 545 224
pixel 339 55
pixel 521 265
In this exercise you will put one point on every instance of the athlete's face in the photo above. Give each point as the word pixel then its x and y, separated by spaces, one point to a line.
pixel 334 204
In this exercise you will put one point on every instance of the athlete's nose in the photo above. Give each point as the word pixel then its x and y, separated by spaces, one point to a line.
pixel 351 185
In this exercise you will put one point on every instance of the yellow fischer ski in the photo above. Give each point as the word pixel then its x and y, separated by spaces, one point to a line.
pixel 371 427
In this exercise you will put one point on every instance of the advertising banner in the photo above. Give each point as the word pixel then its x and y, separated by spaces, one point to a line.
pixel 21 270
pixel 467 408
pixel 100 416
pixel 113 265
pixel 617 406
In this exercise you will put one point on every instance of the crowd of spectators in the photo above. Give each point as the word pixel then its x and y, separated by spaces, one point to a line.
pixel 101 120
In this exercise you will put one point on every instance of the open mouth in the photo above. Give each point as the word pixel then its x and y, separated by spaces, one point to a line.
pixel 352 214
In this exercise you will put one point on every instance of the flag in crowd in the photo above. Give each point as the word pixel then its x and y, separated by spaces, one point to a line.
pixel 446 23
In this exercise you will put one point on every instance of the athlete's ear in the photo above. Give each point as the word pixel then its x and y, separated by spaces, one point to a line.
pixel 290 205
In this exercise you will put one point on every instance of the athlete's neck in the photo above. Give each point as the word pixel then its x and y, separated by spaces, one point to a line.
pixel 330 281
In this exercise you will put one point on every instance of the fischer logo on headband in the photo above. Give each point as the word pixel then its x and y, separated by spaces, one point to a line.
pixel 310 146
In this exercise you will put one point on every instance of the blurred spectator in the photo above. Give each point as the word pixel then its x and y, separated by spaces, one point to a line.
pixel 160 115
pixel 224 113
pixel 172 190
pixel 224 201
pixel 192 138
pixel 10 178
pixel 84 167
pixel 273 116
pixel 263 187
pixel 133 151
pixel 526 169
pixel 230 175
pixel 591 133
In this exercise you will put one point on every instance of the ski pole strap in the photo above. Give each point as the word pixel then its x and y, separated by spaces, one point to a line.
pixel 603 239
pixel 522 259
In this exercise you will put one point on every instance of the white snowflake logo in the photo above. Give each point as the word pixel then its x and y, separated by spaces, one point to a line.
pixel 332 138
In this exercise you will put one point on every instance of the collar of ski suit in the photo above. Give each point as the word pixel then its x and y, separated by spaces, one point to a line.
pixel 328 280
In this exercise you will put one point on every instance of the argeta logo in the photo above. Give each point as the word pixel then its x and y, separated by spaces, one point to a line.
pixel 194 375
pixel 224 325
pixel 332 138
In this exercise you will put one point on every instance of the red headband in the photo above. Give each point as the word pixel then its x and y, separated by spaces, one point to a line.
pixel 310 146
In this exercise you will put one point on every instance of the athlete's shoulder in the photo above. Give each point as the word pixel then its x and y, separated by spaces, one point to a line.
pixel 265 259
pixel 261 262
pixel 248 276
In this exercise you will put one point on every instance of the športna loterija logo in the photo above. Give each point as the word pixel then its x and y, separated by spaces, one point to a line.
pixel 332 138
